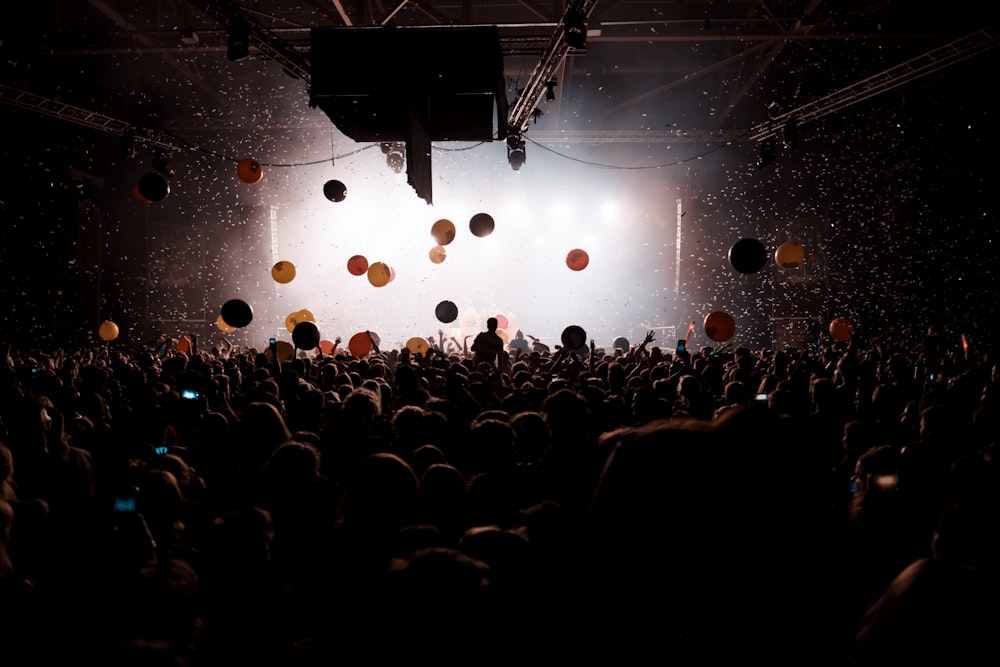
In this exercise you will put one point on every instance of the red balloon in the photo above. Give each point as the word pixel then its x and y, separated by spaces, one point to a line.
pixel 719 326
pixel 326 345
pixel 249 170
pixel 841 329
pixel 577 259
pixel 357 265
pixel 360 344
pixel 502 322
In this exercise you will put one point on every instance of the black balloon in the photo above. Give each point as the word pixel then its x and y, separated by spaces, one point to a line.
pixel 446 311
pixel 237 313
pixel 305 335
pixel 574 337
pixel 335 191
pixel 481 224
pixel 748 255
pixel 153 186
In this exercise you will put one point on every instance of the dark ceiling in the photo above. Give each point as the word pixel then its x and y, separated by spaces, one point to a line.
pixel 650 70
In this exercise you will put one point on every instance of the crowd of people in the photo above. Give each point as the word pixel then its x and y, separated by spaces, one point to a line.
pixel 830 506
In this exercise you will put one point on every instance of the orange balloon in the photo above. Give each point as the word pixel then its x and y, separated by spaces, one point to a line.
pixel 326 345
pixel 357 265
pixel 437 254
pixel 184 345
pixel 443 231
pixel 360 344
pixel 283 272
pixel 222 326
pixel 789 255
pixel 249 170
pixel 577 259
pixel 719 326
pixel 108 330
pixel 841 329
pixel 139 197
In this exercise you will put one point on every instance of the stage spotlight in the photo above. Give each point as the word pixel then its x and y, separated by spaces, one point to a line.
pixel 575 29
pixel 395 155
pixel 515 151
pixel 768 152
pixel 791 134
pixel 237 39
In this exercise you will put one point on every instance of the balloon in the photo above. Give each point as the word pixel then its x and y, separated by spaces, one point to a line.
pixel 153 187
pixel 392 274
pixel 379 274
pixel 621 343
pixel 418 345
pixel 283 272
pixel 357 265
pixel 789 255
pixel 437 254
pixel 249 170
pixel 719 326
pixel 326 346
pixel 446 312
pixel 502 321
pixel 184 345
pixel 293 319
pixel 335 191
pixel 108 330
pixel 237 313
pixel 284 349
pixel 137 193
pixel 574 337
pixel 360 344
pixel 748 255
pixel 577 259
pixel 481 224
pixel 443 231
pixel 223 326
pixel 841 329
pixel 305 335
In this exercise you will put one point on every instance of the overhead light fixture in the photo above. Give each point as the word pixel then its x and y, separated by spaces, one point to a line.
pixel 189 36
pixel 791 134
pixel 395 155
pixel 515 151
pixel 237 39
pixel 575 28
pixel 768 152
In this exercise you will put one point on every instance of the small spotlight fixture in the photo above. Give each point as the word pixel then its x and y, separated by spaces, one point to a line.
pixel 515 151
pixel 189 36
pixel 791 134
pixel 550 90
pixel 575 28
pixel 768 152
pixel 395 155
pixel 237 39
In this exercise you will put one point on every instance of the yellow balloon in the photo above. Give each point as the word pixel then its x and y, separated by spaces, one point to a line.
pixel 437 254
pixel 299 316
pixel 283 272
pixel 108 330
pixel 418 345
pixel 379 274
pixel 221 325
